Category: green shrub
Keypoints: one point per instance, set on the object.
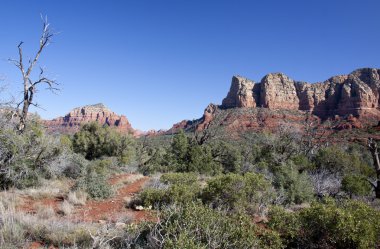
(286, 223)
(95, 185)
(235, 192)
(296, 187)
(351, 224)
(26, 157)
(182, 188)
(193, 225)
(179, 178)
(228, 156)
(94, 141)
(356, 185)
(76, 166)
(336, 160)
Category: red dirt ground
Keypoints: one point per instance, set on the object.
(111, 210)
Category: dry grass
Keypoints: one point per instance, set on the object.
(48, 189)
(77, 198)
(18, 229)
(45, 212)
(66, 208)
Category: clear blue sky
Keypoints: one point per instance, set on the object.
(159, 62)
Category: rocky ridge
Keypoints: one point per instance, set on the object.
(356, 94)
(72, 121)
(351, 101)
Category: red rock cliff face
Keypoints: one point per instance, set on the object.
(81, 115)
(356, 94)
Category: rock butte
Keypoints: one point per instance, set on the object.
(352, 98)
(72, 121)
(356, 94)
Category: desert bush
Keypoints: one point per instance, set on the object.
(328, 224)
(74, 165)
(94, 141)
(95, 185)
(356, 185)
(182, 188)
(25, 157)
(179, 178)
(250, 192)
(193, 225)
(351, 224)
(12, 233)
(286, 223)
(228, 156)
(294, 186)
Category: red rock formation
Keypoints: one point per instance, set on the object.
(352, 101)
(241, 93)
(81, 115)
(356, 94)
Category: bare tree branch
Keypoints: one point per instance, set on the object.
(29, 85)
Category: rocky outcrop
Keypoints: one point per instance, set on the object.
(278, 91)
(71, 122)
(241, 93)
(355, 94)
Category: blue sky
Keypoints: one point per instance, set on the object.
(159, 62)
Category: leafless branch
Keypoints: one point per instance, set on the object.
(29, 85)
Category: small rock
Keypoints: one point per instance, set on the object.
(102, 222)
(139, 208)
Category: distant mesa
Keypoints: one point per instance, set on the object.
(352, 100)
(72, 121)
(356, 94)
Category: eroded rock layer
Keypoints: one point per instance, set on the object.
(356, 94)
(81, 115)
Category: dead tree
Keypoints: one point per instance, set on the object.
(374, 149)
(30, 86)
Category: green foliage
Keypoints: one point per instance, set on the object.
(295, 186)
(236, 192)
(76, 166)
(179, 147)
(336, 160)
(286, 223)
(228, 156)
(185, 155)
(94, 141)
(182, 188)
(351, 224)
(329, 224)
(199, 159)
(195, 226)
(94, 181)
(179, 178)
(26, 157)
(356, 185)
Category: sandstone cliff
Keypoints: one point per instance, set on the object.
(71, 122)
(349, 101)
(356, 94)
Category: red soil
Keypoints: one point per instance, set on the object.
(38, 245)
(111, 210)
(29, 205)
